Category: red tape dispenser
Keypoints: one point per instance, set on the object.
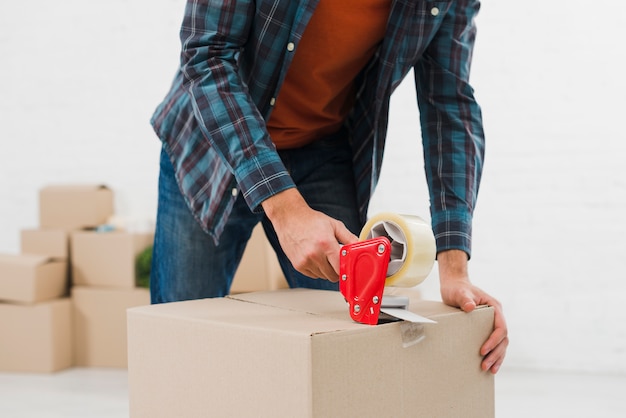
(362, 273)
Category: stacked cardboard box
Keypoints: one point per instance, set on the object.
(35, 311)
(63, 299)
(104, 286)
(65, 296)
(259, 268)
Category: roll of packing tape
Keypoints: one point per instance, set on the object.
(413, 248)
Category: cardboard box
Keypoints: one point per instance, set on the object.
(100, 324)
(259, 268)
(106, 259)
(36, 338)
(53, 243)
(297, 353)
(30, 278)
(74, 206)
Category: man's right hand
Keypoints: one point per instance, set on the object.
(310, 239)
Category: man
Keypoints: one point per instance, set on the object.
(278, 115)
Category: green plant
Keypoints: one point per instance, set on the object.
(143, 263)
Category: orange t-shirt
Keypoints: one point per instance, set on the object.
(318, 91)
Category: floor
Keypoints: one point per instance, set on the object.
(102, 393)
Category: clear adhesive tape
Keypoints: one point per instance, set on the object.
(413, 248)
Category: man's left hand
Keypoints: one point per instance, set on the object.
(457, 290)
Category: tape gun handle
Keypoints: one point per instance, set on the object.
(362, 270)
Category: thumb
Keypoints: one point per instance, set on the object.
(465, 299)
(467, 304)
(343, 234)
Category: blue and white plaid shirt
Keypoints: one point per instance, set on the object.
(235, 54)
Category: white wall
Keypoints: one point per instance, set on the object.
(79, 80)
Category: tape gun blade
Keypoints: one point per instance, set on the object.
(407, 315)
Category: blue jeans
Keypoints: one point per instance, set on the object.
(186, 264)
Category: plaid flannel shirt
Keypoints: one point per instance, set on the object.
(234, 57)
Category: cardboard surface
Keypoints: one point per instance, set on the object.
(259, 268)
(36, 338)
(297, 353)
(106, 259)
(29, 278)
(53, 243)
(100, 324)
(74, 206)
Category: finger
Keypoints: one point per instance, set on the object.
(466, 301)
(495, 339)
(496, 366)
(309, 273)
(468, 305)
(318, 269)
(332, 258)
(343, 234)
(330, 273)
(498, 335)
(494, 360)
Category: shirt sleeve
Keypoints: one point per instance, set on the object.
(212, 36)
(452, 129)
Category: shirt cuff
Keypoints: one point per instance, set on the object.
(453, 231)
(262, 177)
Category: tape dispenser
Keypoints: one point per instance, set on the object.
(393, 250)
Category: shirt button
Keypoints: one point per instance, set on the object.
(234, 191)
(291, 46)
(272, 101)
(434, 11)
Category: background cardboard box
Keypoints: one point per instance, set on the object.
(259, 268)
(29, 278)
(53, 243)
(100, 324)
(297, 353)
(74, 206)
(106, 259)
(36, 338)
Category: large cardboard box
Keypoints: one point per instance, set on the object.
(100, 324)
(297, 353)
(51, 242)
(36, 338)
(74, 206)
(30, 278)
(259, 268)
(106, 259)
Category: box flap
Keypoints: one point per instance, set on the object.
(295, 311)
(327, 302)
(240, 313)
(332, 303)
